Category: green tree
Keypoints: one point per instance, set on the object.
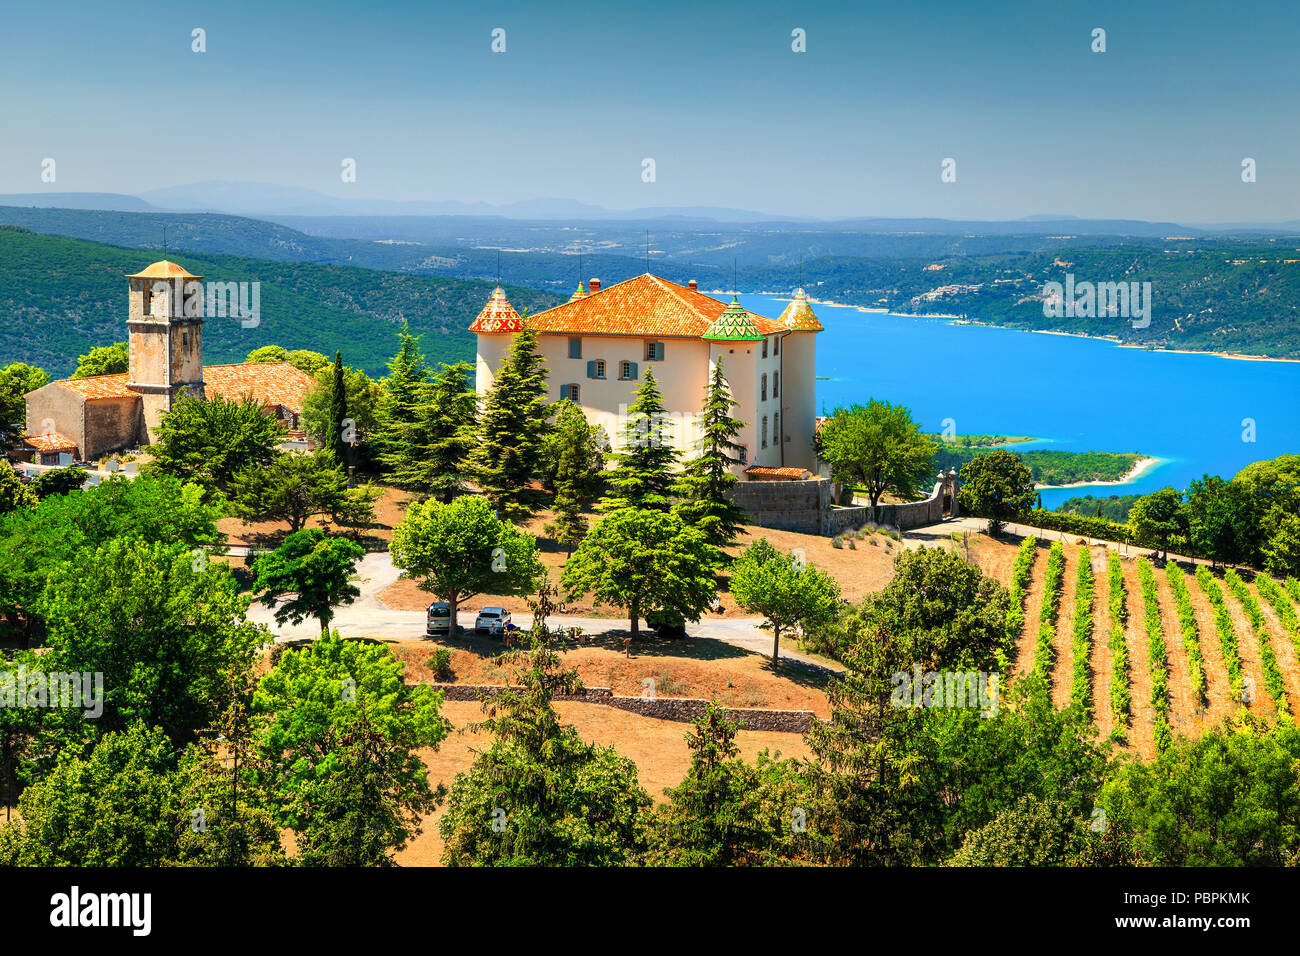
(511, 429)
(878, 447)
(267, 353)
(16, 380)
(317, 570)
(1282, 550)
(361, 395)
(396, 412)
(295, 488)
(442, 435)
(313, 363)
(645, 561)
(59, 481)
(707, 481)
(787, 592)
(209, 442)
(1034, 832)
(14, 495)
(586, 443)
(460, 549)
(341, 735)
(336, 422)
(540, 795)
(1158, 517)
(103, 360)
(1222, 517)
(578, 474)
(996, 486)
(160, 622)
(645, 463)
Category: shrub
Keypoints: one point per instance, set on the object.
(1159, 656)
(1188, 627)
(1119, 689)
(440, 664)
(1081, 685)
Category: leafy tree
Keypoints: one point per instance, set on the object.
(316, 569)
(16, 380)
(117, 806)
(578, 474)
(785, 591)
(295, 488)
(361, 394)
(442, 434)
(878, 447)
(267, 353)
(1222, 517)
(14, 495)
(645, 561)
(996, 486)
(1157, 517)
(511, 428)
(587, 443)
(59, 481)
(103, 360)
(461, 549)
(644, 472)
(1282, 551)
(161, 624)
(341, 737)
(1227, 799)
(707, 480)
(1034, 832)
(396, 412)
(209, 442)
(313, 363)
(540, 795)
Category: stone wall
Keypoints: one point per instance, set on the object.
(679, 709)
(808, 507)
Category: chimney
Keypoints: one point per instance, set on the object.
(691, 285)
(595, 285)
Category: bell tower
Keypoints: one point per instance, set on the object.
(164, 339)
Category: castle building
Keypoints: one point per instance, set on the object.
(91, 417)
(599, 345)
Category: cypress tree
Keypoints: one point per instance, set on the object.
(644, 475)
(335, 441)
(511, 429)
(707, 479)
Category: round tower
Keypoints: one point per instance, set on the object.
(495, 329)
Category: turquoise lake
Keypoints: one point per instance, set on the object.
(1076, 394)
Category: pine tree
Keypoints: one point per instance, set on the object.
(511, 429)
(442, 434)
(578, 474)
(707, 480)
(335, 440)
(396, 411)
(644, 477)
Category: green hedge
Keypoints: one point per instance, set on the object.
(1159, 655)
(1081, 686)
(1045, 650)
(1022, 572)
(1077, 524)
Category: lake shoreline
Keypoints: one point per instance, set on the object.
(964, 319)
(1140, 468)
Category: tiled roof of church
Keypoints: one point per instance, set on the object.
(798, 315)
(163, 269)
(645, 306)
(497, 316)
(271, 383)
(51, 443)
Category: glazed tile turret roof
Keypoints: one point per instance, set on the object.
(646, 306)
(497, 316)
(580, 294)
(733, 324)
(798, 315)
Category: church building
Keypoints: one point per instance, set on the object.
(599, 345)
(91, 417)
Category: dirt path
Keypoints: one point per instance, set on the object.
(1063, 671)
(1185, 712)
(1247, 646)
(1283, 647)
(1141, 723)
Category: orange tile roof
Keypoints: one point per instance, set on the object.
(271, 383)
(53, 442)
(646, 305)
(163, 269)
(759, 472)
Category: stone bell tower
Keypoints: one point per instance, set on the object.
(164, 339)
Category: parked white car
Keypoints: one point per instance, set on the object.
(492, 620)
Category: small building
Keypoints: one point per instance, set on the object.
(91, 417)
(599, 345)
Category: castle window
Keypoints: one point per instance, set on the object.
(596, 368)
(654, 351)
(764, 431)
(762, 392)
(570, 392)
(627, 371)
(742, 452)
(575, 348)
(776, 345)
(765, 347)
(776, 428)
(776, 382)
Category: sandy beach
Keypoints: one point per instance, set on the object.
(1140, 467)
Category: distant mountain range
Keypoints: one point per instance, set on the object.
(268, 200)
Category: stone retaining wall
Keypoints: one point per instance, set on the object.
(808, 507)
(680, 709)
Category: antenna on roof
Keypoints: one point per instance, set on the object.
(801, 270)
(580, 268)
(498, 267)
(647, 251)
(164, 242)
(735, 284)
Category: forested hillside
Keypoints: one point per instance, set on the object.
(61, 297)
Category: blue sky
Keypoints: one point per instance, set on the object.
(1154, 128)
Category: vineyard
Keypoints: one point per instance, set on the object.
(1152, 653)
